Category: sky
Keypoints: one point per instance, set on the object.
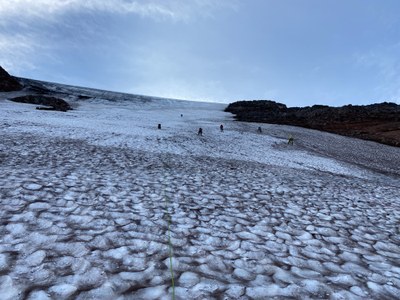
(297, 52)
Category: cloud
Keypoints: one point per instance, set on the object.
(15, 49)
(30, 30)
(178, 10)
(384, 63)
(46, 9)
(183, 88)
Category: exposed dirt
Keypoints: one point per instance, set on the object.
(382, 132)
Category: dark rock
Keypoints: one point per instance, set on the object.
(8, 83)
(377, 122)
(39, 89)
(51, 102)
(84, 97)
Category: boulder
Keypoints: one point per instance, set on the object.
(51, 103)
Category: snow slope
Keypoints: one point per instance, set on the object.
(85, 198)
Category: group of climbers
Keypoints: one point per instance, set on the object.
(221, 128)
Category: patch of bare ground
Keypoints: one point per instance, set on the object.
(382, 132)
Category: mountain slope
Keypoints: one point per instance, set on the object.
(90, 196)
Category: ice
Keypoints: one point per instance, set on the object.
(188, 279)
(305, 273)
(135, 263)
(344, 279)
(284, 276)
(387, 246)
(316, 266)
(39, 239)
(80, 265)
(348, 256)
(118, 253)
(39, 295)
(315, 287)
(283, 235)
(358, 291)
(74, 249)
(180, 293)
(103, 292)
(247, 235)
(16, 229)
(235, 291)
(8, 290)
(32, 186)
(63, 291)
(243, 274)
(41, 277)
(150, 293)
(248, 217)
(263, 292)
(36, 258)
(38, 206)
(78, 219)
(206, 286)
(132, 276)
(90, 279)
(343, 295)
(275, 247)
(355, 269)
(4, 262)
(394, 292)
(44, 224)
(305, 236)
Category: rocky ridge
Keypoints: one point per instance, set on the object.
(377, 122)
(8, 83)
(30, 93)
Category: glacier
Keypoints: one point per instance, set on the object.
(89, 197)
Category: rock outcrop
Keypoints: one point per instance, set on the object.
(49, 103)
(8, 83)
(377, 122)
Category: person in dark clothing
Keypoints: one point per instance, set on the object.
(221, 127)
(259, 130)
(290, 140)
(200, 132)
(159, 126)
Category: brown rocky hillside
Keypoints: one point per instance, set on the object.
(377, 122)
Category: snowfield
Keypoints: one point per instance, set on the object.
(86, 197)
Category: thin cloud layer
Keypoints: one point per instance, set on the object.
(158, 9)
(297, 52)
(15, 51)
(28, 26)
(384, 62)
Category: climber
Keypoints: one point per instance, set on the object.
(290, 140)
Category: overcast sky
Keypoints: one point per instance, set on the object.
(299, 52)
